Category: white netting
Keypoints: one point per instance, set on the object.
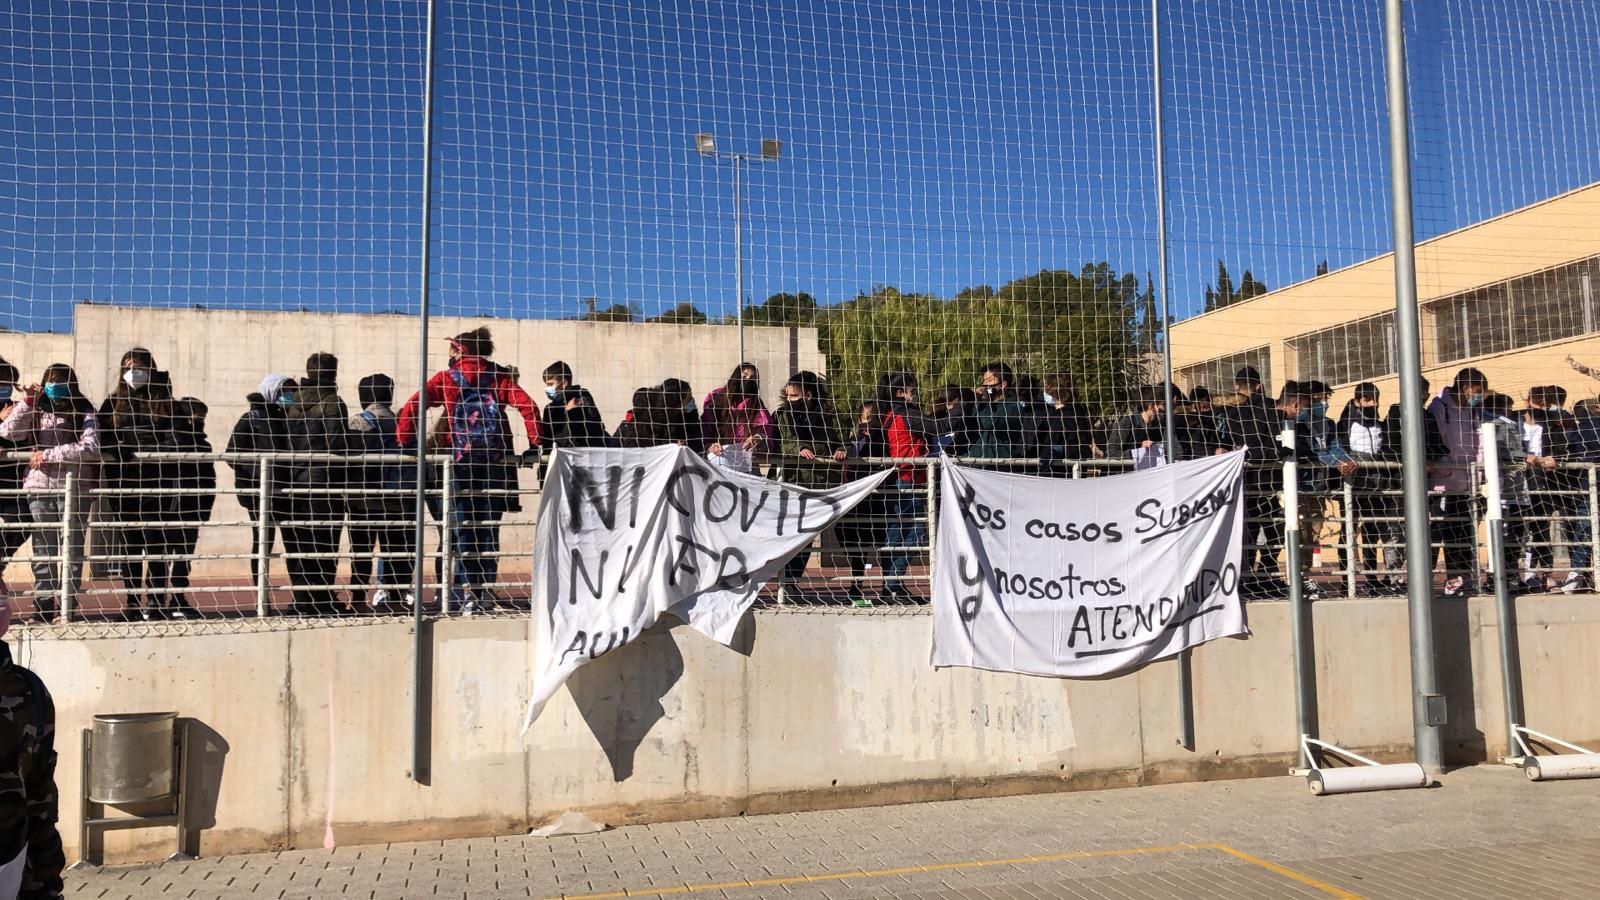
(954, 185)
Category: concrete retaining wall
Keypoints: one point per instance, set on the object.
(304, 733)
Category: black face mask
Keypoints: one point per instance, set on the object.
(1367, 414)
(748, 387)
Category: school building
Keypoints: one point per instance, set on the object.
(1514, 296)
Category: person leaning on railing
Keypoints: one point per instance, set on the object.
(1252, 422)
(811, 445)
(1458, 412)
(57, 423)
(909, 434)
(13, 504)
(262, 429)
(136, 420)
(383, 502)
(1567, 503)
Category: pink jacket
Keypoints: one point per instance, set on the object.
(65, 449)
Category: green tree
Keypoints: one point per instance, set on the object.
(616, 312)
(684, 313)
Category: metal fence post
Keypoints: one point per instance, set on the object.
(1476, 519)
(1594, 528)
(1505, 610)
(264, 538)
(1352, 552)
(447, 569)
(1305, 684)
(69, 507)
(932, 519)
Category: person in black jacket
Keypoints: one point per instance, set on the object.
(15, 521)
(681, 416)
(30, 805)
(382, 504)
(949, 416)
(318, 423)
(580, 424)
(196, 480)
(136, 419)
(1066, 433)
(1199, 429)
(1253, 424)
(264, 428)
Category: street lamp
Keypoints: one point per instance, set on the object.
(771, 149)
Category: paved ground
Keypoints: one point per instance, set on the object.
(1487, 832)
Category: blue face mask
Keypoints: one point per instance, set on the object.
(5, 393)
(1049, 400)
(1475, 400)
(56, 391)
(1319, 410)
(285, 400)
(688, 407)
(551, 392)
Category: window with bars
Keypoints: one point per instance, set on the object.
(1218, 374)
(1356, 351)
(1544, 306)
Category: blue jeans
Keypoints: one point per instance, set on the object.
(905, 506)
(475, 539)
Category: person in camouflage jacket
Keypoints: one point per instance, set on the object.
(29, 804)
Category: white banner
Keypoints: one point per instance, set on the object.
(1086, 578)
(626, 535)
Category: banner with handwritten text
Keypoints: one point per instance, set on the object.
(1086, 578)
(627, 535)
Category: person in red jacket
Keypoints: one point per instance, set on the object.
(475, 394)
(909, 434)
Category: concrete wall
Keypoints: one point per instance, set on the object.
(306, 731)
(221, 356)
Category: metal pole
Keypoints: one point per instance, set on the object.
(1594, 532)
(419, 689)
(263, 537)
(1427, 705)
(69, 509)
(1170, 442)
(738, 248)
(447, 553)
(1305, 672)
(1352, 554)
(1505, 610)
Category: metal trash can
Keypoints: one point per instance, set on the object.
(132, 758)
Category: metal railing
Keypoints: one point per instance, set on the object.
(146, 560)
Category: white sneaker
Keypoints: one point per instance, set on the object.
(379, 601)
(1576, 583)
(470, 604)
(410, 600)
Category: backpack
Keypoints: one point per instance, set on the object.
(390, 475)
(478, 427)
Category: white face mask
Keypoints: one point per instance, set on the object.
(1049, 400)
(136, 378)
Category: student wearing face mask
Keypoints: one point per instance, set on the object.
(135, 420)
(264, 428)
(557, 378)
(57, 423)
(681, 417)
(811, 446)
(14, 519)
(733, 417)
(1064, 432)
(999, 418)
(1362, 429)
(1458, 413)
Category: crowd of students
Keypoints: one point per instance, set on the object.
(143, 455)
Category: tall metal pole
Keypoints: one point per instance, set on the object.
(1170, 445)
(420, 693)
(738, 247)
(1427, 705)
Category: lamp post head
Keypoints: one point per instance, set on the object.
(705, 144)
(771, 149)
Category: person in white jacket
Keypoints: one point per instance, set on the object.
(56, 422)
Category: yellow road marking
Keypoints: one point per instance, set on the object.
(958, 866)
(1287, 872)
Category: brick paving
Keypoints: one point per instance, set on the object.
(1487, 832)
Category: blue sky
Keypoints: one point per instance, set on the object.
(246, 156)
